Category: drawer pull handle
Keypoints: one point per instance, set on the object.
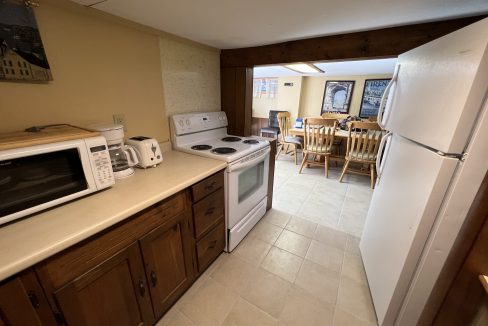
(211, 185)
(209, 211)
(154, 279)
(212, 244)
(33, 299)
(142, 288)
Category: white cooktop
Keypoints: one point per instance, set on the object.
(242, 149)
(209, 128)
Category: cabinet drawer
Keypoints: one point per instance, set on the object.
(207, 186)
(210, 246)
(208, 211)
(82, 257)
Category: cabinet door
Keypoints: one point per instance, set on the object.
(22, 302)
(168, 264)
(113, 293)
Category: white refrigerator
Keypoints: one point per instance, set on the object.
(433, 162)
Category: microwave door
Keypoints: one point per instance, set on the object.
(42, 179)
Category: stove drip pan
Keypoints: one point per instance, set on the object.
(223, 150)
(201, 147)
(231, 139)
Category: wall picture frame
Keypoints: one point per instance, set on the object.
(337, 96)
(372, 93)
(22, 55)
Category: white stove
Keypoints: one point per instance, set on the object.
(246, 177)
(205, 134)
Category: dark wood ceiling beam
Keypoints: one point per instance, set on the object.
(379, 43)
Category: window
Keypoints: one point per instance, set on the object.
(265, 87)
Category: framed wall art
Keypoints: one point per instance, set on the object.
(337, 96)
(372, 93)
(22, 56)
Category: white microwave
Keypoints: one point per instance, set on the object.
(38, 177)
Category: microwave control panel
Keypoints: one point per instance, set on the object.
(101, 164)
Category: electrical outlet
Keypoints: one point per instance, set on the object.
(119, 119)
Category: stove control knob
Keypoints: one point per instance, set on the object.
(180, 122)
(187, 122)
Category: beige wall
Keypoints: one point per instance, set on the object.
(313, 93)
(287, 99)
(289, 96)
(191, 77)
(262, 106)
(103, 65)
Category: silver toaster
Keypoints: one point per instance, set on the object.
(147, 150)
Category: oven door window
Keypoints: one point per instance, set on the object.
(250, 181)
(30, 181)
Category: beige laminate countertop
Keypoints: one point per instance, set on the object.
(27, 242)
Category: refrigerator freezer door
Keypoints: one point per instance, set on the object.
(405, 202)
(440, 88)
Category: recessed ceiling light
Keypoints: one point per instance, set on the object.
(304, 68)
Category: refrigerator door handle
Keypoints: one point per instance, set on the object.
(379, 158)
(385, 96)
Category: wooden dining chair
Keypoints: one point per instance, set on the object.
(339, 116)
(286, 139)
(363, 142)
(319, 138)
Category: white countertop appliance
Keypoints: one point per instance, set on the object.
(246, 177)
(123, 157)
(433, 163)
(37, 177)
(147, 150)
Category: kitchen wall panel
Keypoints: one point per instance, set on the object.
(191, 77)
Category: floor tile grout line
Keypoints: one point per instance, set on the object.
(342, 207)
(275, 318)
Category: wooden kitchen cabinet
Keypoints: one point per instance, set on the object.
(22, 302)
(167, 259)
(128, 274)
(114, 293)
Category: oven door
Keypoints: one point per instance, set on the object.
(247, 185)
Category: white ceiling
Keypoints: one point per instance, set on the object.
(345, 68)
(239, 23)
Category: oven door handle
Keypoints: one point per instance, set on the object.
(241, 166)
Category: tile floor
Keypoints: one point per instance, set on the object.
(299, 266)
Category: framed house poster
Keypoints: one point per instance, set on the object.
(337, 96)
(372, 93)
(22, 56)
